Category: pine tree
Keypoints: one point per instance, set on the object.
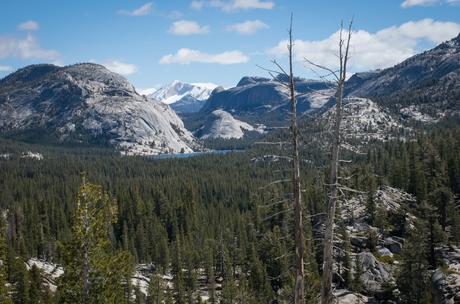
(93, 271)
(19, 278)
(4, 290)
(370, 203)
(414, 278)
(177, 272)
(209, 270)
(258, 279)
(357, 284)
(229, 292)
(36, 286)
(346, 264)
(441, 198)
(156, 289)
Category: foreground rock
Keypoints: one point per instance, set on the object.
(375, 274)
(343, 296)
(446, 279)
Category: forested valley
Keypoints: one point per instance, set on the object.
(217, 224)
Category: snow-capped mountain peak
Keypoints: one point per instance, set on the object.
(184, 97)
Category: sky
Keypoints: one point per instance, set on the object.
(155, 42)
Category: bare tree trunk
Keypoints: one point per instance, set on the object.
(326, 287)
(297, 198)
(299, 241)
(328, 259)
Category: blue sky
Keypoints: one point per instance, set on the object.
(155, 42)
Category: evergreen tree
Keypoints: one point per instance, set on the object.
(370, 203)
(441, 198)
(36, 285)
(19, 278)
(357, 284)
(177, 272)
(93, 271)
(229, 291)
(209, 270)
(414, 278)
(156, 289)
(345, 259)
(4, 290)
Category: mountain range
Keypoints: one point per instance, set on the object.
(86, 103)
(425, 87)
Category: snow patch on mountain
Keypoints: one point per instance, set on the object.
(222, 124)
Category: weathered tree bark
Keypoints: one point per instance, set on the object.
(326, 283)
(328, 259)
(299, 241)
(297, 198)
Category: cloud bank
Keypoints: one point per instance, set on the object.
(187, 56)
(121, 68)
(232, 5)
(247, 27)
(187, 27)
(381, 49)
(25, 48)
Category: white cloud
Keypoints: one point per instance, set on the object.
(232, 5)
(122, 68)
(30, 25)
(411, 3)
(247, 27)
(140, 11)
(187, 27)
(4, 68)
(25, 48)
(382, 49)
(187, 56)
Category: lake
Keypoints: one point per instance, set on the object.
(193, 154)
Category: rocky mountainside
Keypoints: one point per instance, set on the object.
(425, 87)
(221, 124)
(255, 96)
(261, 101)
(184, 97)
(365, 120)
(87, 103)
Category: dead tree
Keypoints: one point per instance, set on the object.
(328, 242)
(297, 198)
(299, 240)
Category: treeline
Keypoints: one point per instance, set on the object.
(218, 214)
